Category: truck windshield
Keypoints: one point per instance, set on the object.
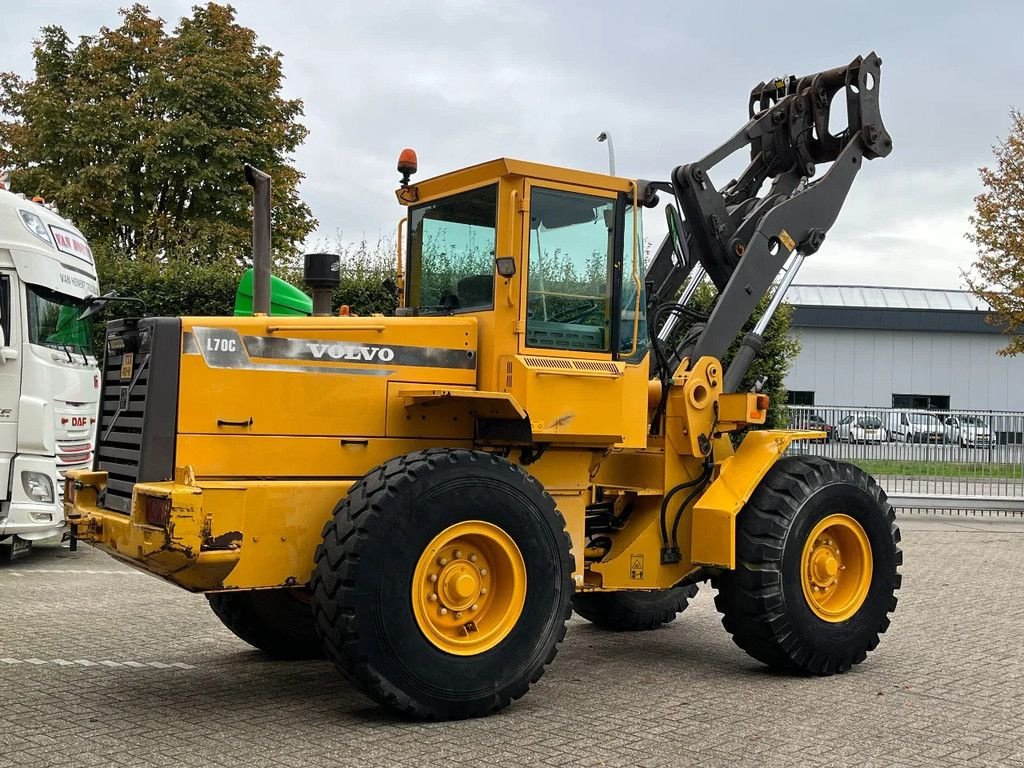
(53, 321)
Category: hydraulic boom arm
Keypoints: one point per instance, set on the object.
(741, 238)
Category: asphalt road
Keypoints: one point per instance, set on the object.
(101, 666)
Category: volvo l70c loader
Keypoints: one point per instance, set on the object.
(545, 424)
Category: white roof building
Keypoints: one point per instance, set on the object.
(899, 347)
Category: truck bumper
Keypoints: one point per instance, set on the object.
(27, 517)
(33, 522)
(208, 536)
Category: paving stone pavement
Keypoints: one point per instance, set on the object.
(169, 686)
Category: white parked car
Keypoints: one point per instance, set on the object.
(860, 428)
(918, 427)
(969, 431)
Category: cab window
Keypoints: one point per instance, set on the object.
(628, 289)
(451, 252)
(569, 285)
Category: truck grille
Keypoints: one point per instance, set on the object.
(138, 415)
(71, 454)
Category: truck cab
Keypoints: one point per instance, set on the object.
(49, 381)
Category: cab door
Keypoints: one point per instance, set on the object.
(568, 375)
(10, 374)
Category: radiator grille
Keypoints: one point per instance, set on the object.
(138, 407)
(120, 433)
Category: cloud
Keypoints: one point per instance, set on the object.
(464, 81)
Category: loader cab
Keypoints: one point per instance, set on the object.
(550, 261)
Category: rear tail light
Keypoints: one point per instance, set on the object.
(157, 510)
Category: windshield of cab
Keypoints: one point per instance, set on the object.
(53, 321)
(451, 252)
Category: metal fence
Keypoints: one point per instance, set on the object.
(933, 461)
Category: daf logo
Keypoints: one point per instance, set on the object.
(349, 352)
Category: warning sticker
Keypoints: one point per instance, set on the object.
(636, 567)
(787, 240)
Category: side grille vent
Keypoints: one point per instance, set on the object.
(561, 364)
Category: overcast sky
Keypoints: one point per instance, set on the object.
(464, 81)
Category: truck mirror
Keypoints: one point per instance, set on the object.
(675, 231)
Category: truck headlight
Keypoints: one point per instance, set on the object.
(38, 486)
(35, 225)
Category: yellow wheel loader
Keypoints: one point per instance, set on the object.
(545, 422)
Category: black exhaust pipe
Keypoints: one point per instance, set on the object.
(260, 183)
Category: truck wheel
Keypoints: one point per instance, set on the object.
(634, 610)
(817, 561)
(277, 621)
(443, 583)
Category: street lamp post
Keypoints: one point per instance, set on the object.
(606, 136)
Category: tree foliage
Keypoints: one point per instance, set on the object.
(998, 233)
(140, 135)
(777, 352)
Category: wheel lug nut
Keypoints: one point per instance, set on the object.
(458, 614)
(483, 590)
(474, 607)
(432, 578)
(443, 611)
(442, 561)
(457, 554)
(483, 571)
(432, 598)
(472, 558)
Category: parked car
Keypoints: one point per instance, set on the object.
(919, 427)
(860, 428)
(968, 431)
(805, 420)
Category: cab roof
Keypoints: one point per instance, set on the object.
(492, 170)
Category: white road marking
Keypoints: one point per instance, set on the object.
(105, 663)
(22, 574)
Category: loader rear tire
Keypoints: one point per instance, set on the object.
(633, 611)
(278, 622)
(817, 559)
(443, 583)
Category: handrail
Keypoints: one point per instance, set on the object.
(401, 264)
(328, 328)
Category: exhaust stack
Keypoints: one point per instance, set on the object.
(260, 183)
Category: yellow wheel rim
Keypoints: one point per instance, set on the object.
(835, 569)
(469, 588)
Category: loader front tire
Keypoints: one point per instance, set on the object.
(443, 583)
(817, 559)
(278, 622)
(633, 611)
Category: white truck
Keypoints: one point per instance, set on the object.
(49, 381)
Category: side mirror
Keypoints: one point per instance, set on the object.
(93, 304)
(675, 232)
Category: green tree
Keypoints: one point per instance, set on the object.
(998, 233)
(776, 356)
(140, 135)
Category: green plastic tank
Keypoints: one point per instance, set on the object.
(285, 298)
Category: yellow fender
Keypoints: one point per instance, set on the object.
(713, 542)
